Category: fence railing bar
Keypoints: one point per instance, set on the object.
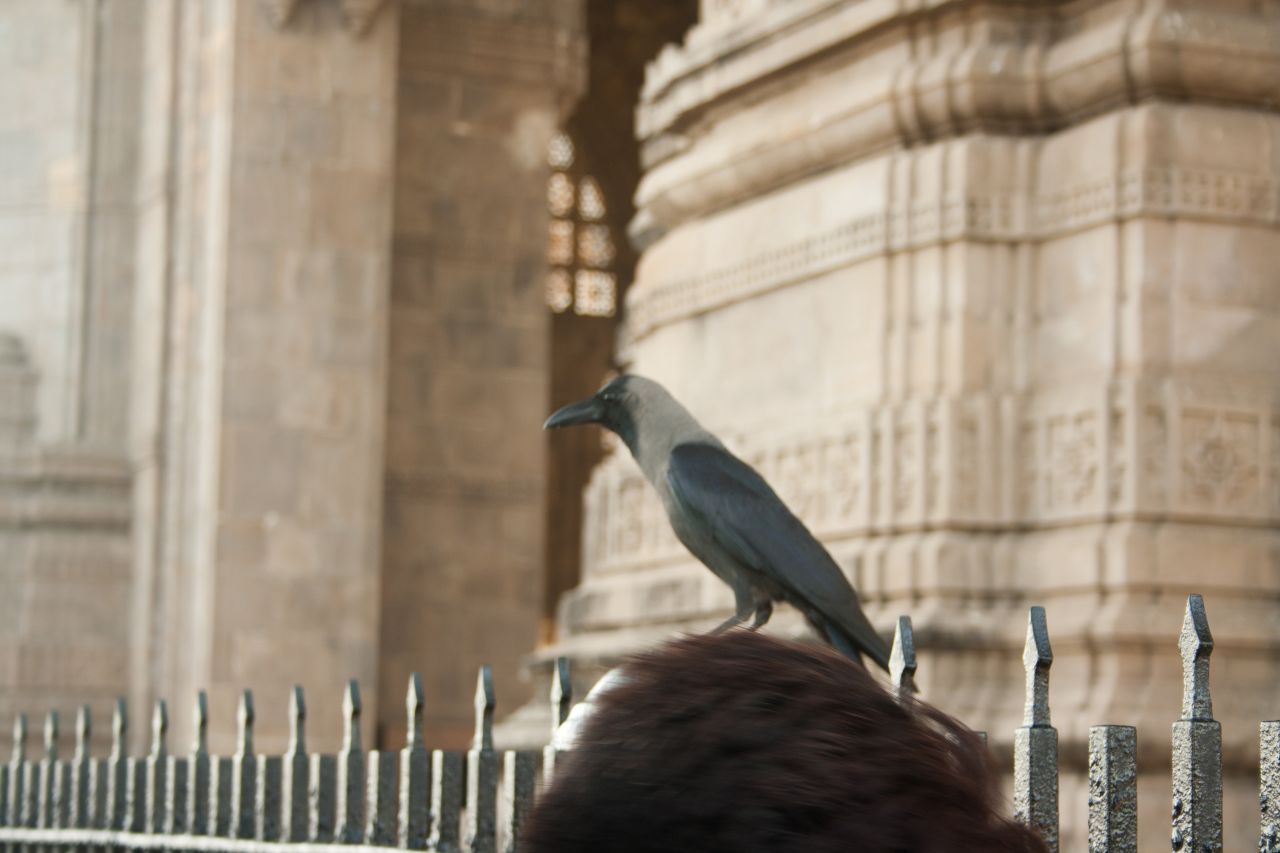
(200, 790)
(158, 769)
(322, 797)
(519, 782)
(1035, 743)
(381, 818)
(1197, 743)
(447, 772)
(295, 773)
(1269, 786)
(1113, 789)
(267, 800)
(244, 772)
(414, 821)
(118, 770)
(46, 795)
(78, 781)
(561, 703)
(351, 770)
(482, 772)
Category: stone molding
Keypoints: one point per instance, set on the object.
(1130, 453)
(357, 15)
(978, 71)
(1132, 193)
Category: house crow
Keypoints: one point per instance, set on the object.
(728, 516)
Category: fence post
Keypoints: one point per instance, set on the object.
(902, 660)
(482, 772)
(415, 773)
(561, 701)
(294, 772)
(1197, 743)
(1269, 786)
(78, 795)
(157, 769)
(1035, 743)
(1113, 789)
(322, 795)
(267, 805)
(351, 791)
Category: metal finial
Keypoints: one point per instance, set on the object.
(84, 727)
(297, 721)
(1037, 657)
(119, 727)
(561, 693)
(902, 658)
(200, 716)
(351, 717)
(160, 729)
(51, 735)
(244, 724)
(484, 709)
(19, 737)
(1196, 645)
(413, 702)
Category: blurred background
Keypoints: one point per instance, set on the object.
(990, 291)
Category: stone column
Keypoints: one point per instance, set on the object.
(481, 89)
(989, 294)
(270, 129)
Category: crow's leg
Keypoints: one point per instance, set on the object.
(744, 606)
(763, 611)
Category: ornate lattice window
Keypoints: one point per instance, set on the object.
(580, 247)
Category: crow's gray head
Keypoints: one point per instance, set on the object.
(639, 410)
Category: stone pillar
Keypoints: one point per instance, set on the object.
(989, 294)
(481, 89)
(267, 251)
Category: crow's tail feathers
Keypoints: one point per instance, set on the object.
(853, 645)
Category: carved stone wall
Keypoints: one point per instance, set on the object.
(989, 294)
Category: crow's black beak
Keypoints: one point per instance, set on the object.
(588, 411)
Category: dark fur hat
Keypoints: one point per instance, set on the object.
(741, 742)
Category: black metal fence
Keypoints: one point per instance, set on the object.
(476, 800)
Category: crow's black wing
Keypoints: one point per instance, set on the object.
(752, 523)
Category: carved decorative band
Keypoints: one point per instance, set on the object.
(1134, 193)
(980, 463)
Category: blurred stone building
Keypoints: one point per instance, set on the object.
(989, 290)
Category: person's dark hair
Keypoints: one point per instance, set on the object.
(742, 742)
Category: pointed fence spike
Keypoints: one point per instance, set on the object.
(295, 777)
(51, 735)
(482, 773)
(484, 709)
(1196, 645)
(1037, 658)
(84, 728)
(351, 771)
(1035, 743)
(351, 716)
(297, 721)
(119, 728)
(244, 724)
(902, 659)
(200, 718)
(160, 728)
(19, 753)
(561, 693)
(1197, 743)
(413, 703)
